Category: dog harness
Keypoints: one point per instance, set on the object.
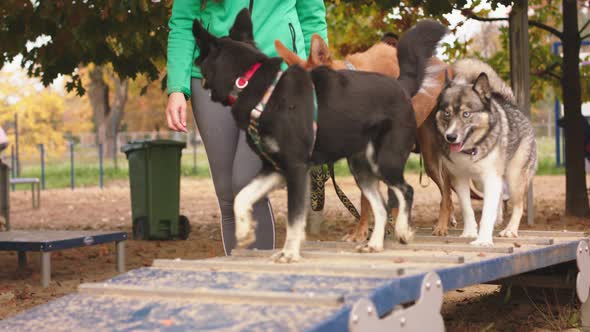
(256, 112)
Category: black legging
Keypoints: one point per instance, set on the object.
(232, 164)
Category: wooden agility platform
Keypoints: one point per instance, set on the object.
(45, 242)
(332, 289)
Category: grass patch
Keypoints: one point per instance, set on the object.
(86, 172)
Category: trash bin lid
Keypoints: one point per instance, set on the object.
(149, 143)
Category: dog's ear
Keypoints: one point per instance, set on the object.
(242, 28)
(390, 39)
(288, 56)
(319, 53)
(203, 38)
(482, 86)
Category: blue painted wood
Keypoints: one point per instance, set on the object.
(55, 240)
(81, 312)
(103, 313)
(352, 288)
(406, 289)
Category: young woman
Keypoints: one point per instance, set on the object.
(231, 161)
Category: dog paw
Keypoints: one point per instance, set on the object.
(453, 222)
(472, 234)
(508, 233)
(368, 248)
(440, 230)
(356, 236)
(403, 234)
(482, 243)
(285, 257)
(245, 235)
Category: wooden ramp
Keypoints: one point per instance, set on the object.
(332, 289)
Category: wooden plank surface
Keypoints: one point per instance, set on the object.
(271, 267)
(443, 247)
(521, 233)
(385, 257)
(208, 295)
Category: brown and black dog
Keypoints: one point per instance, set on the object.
(383, 58)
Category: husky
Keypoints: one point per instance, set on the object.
(296, 119)
(486, 139)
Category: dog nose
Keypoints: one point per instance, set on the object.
(451, 137)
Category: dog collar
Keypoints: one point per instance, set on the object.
(349, 65)
(242, 82)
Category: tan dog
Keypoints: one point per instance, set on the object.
(382, 58)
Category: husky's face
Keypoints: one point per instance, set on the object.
(464, 113)
(223, 60)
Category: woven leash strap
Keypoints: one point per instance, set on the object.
(318, 178)
(345, 201)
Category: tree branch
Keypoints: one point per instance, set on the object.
(585, 36)
(548, 71)
(469, 14)
(540, 25)
(584, 26)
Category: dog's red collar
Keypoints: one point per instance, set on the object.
(242, 82)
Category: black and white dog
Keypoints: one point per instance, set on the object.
(364, 117)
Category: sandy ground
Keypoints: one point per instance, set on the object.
(480, 307)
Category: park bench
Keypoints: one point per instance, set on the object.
(35, 189)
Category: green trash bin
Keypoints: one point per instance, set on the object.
(154, 178)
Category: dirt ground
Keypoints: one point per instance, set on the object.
(477, 308)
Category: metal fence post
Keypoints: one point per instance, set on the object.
(42, 152)
(12, 163)
(195, 158)
(72, 165)
(16, 144)
(115, 151)
(100, 165)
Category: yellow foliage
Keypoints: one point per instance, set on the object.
(40, 121)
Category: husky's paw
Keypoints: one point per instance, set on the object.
(440, 230)
(482, 243)
(508, 233)
(368, 248)
(286, 256)
(469, 233)
(453, 222)
(356, 235)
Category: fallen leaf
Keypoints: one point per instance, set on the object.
(481, 254)
(167, 322)
(517, 245)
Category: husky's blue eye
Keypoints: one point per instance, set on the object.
(466, 114)
(446, 114)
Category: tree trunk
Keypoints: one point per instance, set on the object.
(107, 116)
(576, 197)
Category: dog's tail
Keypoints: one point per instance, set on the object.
(414, 50)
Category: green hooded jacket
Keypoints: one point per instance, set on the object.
(291, 21)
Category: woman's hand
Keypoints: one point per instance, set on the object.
(176, 112)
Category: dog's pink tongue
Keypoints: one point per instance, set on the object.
(456, 147)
